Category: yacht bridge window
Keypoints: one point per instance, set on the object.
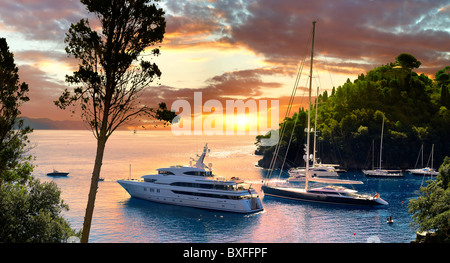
(212, 195)
(199, 173)
(149, 180)
(205, 186)
(227, 187)
(165, 172)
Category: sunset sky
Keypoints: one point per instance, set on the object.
(236, 49)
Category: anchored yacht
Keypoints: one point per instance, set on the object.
(328, 194)
(424, 171)
(319, 170)
(427, 170)
(382, 172)
(195, 186)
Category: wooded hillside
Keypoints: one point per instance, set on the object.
(416, 110)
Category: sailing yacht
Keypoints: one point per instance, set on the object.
(427, 170)
(328, 194)
(318, 169)
(195, 186)
(382, 172)
(424, 171)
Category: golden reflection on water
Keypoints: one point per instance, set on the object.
(119, 218)
(145, 151)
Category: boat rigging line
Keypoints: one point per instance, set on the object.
(288, 112)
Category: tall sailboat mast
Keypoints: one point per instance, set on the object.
(381, 142)
(328, 194)
(307, 175)
(315, 127)
(432, 155)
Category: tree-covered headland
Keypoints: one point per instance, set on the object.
(416, 109)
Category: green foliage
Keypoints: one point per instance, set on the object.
(13, 135)
(431, 210)
(29, 211)
(408, 61)
(351, 117)
(296, 148)
(162, 113)
(443, 80)
(112, 73)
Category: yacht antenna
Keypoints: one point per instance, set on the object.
(199, 164)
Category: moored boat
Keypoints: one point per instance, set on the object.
(424, 171)
(382, 173)
(329, 194)
(57, 173)
(427, 170)
(318, 170)
(195, 186)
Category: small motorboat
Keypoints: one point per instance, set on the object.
(389, 220)
(57, 173)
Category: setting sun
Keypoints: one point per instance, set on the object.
(242, 123)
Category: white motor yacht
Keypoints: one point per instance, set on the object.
(424, 171)
(195, 186)
(319, 170)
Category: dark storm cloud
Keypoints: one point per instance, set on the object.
(352, 37)
(40, 20)
(371, 32)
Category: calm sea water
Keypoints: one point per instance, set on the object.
(120, 218)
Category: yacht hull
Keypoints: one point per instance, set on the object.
(57, 174)
(212, 200)
(302, 195)
(382, 174)
(422, 172)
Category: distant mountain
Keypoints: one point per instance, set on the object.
(48, 124)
